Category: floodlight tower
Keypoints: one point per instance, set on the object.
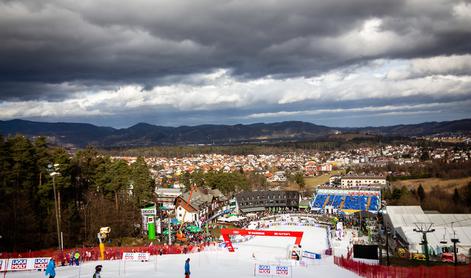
(53, 172)
(424, 228)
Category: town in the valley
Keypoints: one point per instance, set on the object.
(393, 205)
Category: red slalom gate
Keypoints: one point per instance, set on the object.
(382, 271)
(226, 233)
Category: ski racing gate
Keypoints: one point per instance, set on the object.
(226, 233)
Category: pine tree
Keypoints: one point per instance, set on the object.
(468, 194)
(456, 197)
(421, 193)
(299, 179)
(142, 182)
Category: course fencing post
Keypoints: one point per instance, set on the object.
(155, 263)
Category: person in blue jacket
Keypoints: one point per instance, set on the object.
(187, 268)
(51, 269)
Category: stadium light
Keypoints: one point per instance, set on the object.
(53, 172)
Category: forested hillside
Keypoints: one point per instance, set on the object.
(92, 191)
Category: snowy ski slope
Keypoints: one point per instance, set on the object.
(216, 263)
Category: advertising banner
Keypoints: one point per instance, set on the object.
(282, 270)
(149, 211)
(309, 255)
(3, 264)
(272, 270)
(263, 270)
(136, 256)
(24, 264)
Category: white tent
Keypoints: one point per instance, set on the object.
(404, 219)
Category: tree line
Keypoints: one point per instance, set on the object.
(436, 199)
(341, 142)
(92, 191)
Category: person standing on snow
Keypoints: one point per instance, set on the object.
(51, 269)
(187, 268)
(77, 257)
(97, 271)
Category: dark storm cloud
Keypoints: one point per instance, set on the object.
(95, 44)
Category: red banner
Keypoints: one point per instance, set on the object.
(226, 233)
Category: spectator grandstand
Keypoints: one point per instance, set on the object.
(346, 200)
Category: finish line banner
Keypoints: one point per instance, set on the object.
(272, 270)
(24, 264)
(136, 256)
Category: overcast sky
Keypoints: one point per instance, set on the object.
(337, 63)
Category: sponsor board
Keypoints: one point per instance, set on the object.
(136, 256)
(263, 269)
(272, 270)
(311, 255)
(40, 263)
(149, 211)
(282, 270)
(24, 264)
(18, 264)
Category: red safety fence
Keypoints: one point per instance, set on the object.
(111, 253)
(381, 271)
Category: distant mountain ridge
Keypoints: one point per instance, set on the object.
(143, 134)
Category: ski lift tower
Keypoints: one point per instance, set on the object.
(424, 228)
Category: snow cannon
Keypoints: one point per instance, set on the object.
(102, 236)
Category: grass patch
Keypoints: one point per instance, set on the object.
(313, 182)
(447, 185)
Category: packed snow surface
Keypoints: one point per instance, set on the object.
(218, 262)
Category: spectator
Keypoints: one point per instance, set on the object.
(51, 269)
(77, 257)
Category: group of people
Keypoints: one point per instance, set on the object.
(72, 258)
(51, 269)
